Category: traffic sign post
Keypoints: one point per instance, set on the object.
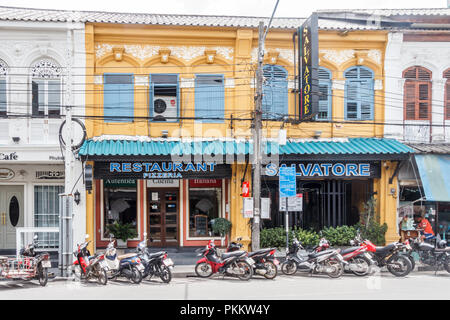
(287, 188)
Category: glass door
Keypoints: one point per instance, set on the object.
(163, 217)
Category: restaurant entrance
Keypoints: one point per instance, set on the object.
(163, 217)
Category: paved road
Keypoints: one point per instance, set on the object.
(300, 286)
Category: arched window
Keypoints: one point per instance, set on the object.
(325, 97)
(275, 92)
(3, 93)
(46, 88)
(417, 93)
(359, 93)
(447, 94)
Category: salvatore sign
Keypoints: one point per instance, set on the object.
(160, 170)
(329, 169)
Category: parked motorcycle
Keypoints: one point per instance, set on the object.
(127, 265)
(234, 263)
(359, 260)
(87, 266)
(390, 256)
(37, 267)
(327, 261)
(155, 264)
(437, 256)
(265, 262)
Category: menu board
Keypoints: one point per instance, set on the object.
(201, 225)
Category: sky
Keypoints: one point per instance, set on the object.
(286, 8)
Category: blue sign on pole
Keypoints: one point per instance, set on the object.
(288, 182)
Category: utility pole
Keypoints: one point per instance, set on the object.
(257, 124)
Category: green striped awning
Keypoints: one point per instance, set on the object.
(352, 146)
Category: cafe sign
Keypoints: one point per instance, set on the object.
(6, 174)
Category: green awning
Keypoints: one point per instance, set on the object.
(352, 146)
(434, 173)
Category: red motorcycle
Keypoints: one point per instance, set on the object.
(234, 263)
(359, 260)
(87, 266)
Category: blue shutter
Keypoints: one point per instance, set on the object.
(209, 98)
(118, 98)
(325, 98)
(359, 94)
(275, 92)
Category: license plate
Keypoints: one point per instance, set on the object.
(276, 262)
(168, 262)
(46, 264)
(140, 267)
(250, 261)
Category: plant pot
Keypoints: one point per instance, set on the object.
(121, 244)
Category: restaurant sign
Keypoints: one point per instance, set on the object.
(329, 169)
(160, 170)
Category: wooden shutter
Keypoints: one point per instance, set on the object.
(352, 100)
(367, 99)
(447, 94)
(417, 93)
(210, 97)
(3, 97)
(324, 95)
(359, 94)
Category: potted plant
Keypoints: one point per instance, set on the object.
(122, 232)
(221, 226)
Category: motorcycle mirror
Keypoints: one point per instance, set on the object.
(35, 237)
(86, 236)
(145, 234)
(151, 239)
(239, 239)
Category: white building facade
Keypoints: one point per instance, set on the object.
(42, 70)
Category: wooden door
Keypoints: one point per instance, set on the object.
(163, 208)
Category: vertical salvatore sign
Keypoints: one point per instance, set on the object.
(308, 38)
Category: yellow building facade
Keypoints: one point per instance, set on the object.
(231, 52)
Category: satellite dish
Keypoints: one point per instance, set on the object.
(78, 133)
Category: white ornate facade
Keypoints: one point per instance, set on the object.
(30, 154)
(400, 55)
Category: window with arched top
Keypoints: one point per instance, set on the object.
(46, 88)
(325, 97)
(359, 93)
(275, 92)
(446, 75)
(3, 92)
(417, 93)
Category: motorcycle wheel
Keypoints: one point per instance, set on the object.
(203, 270)
(271, 269)
(248, 270)
(399, 265)
(337, 266)
(101, 276)
(42, 276)
(165, 274)
(364, 261)
(447, 264)
(289, 267)
(411, 259)
(76, 272)
(136, 276)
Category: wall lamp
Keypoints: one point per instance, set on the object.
(76, 197)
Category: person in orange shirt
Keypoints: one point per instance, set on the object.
(424, 225)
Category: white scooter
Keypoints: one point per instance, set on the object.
(128, 265)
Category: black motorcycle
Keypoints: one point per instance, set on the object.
(265, 262)
(155, 264)
(391, 257)
(329, 261)
(437, 255)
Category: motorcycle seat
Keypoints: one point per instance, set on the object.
(442, 250)
(126, 256)
(258, 252)
(156, 254)
(226, 255)
(384, 249)
(348, 250)
(318, 254)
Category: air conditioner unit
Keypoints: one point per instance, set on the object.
(165, 107)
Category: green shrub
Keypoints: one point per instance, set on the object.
(276, 237)
(123, 231)
(339, 236)
(374, 232)
(221, 226)
(308, 238)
